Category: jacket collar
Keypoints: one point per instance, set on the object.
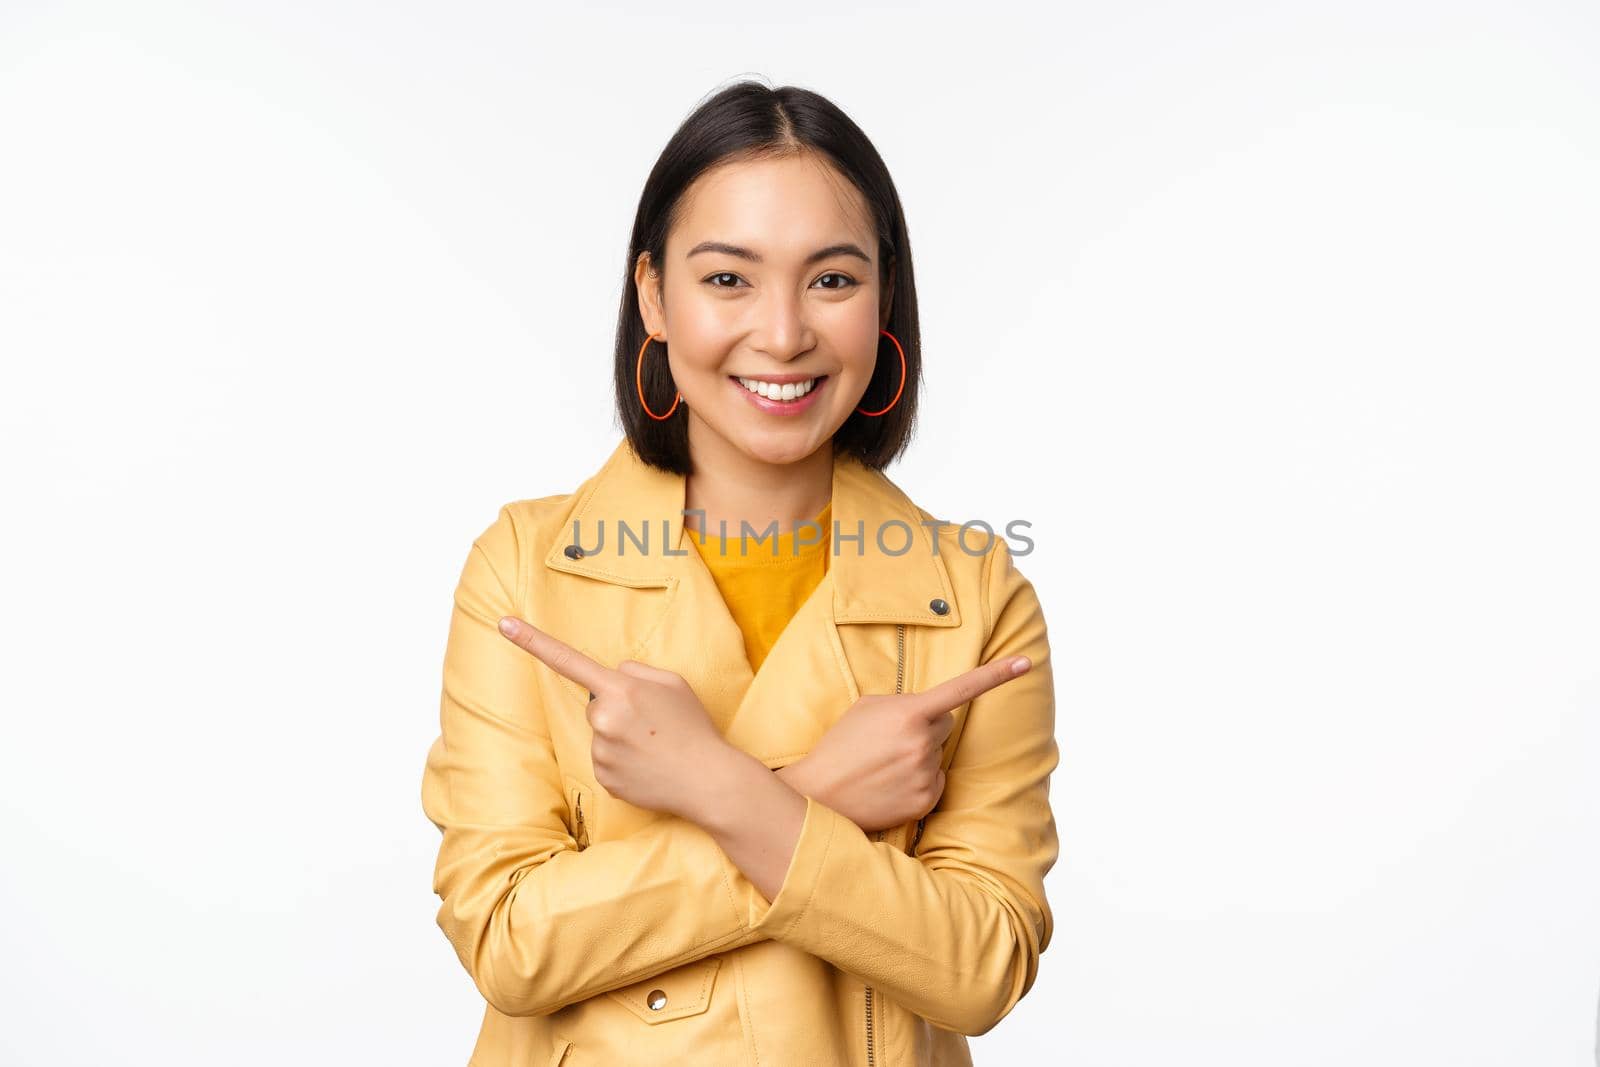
(871, 584)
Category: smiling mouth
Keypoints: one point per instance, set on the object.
(789, 392)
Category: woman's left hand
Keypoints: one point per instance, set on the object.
(653, 740)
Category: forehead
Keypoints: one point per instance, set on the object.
(784, 207)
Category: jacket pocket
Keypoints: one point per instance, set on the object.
(580, 810)
(559, 1056)
(674, 994)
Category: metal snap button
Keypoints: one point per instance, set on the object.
(657, 999)
(574, 552)
(939, 606)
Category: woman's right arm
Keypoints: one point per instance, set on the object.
(536, 922)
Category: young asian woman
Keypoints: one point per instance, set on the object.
(782, 808)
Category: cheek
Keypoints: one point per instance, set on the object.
(853, 331)
(700, 318)
(700, 337)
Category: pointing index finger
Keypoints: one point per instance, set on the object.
(954, 692)
(556, 654)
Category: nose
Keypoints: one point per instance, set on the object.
(782, 331)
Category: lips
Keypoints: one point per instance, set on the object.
(780, 406)
(782, 392)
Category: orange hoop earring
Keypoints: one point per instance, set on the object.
(902, 388)
(638, 381)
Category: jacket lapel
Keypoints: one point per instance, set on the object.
(664, 607)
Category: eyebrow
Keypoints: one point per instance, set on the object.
(845, 249)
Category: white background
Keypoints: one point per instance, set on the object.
(1277, 320)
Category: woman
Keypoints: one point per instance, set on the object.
(716, 799)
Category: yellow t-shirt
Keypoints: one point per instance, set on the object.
(763, 590)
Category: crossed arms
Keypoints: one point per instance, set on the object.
(953, 933)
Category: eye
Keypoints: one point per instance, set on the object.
(846, 282)
(711, 281)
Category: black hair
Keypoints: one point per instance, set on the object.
(749, 120)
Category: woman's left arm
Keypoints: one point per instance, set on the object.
(955, 932)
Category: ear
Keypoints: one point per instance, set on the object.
(648, 281)
(886, 305)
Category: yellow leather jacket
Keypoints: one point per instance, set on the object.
(602, 933)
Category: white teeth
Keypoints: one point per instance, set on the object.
(788, 391)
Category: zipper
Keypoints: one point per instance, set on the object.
(899, 687)
(900, 657)
(583, 832)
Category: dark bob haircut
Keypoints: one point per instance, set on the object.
(749, 121)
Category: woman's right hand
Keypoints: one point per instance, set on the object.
(880, 764)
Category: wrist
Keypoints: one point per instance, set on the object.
(722, 781)
(799, 777)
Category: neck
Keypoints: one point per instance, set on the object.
(731, 486)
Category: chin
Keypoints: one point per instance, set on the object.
(777, 451)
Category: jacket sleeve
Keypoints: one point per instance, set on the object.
(953, 933)
(536, 922)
